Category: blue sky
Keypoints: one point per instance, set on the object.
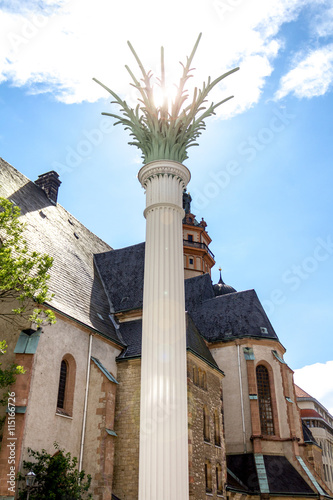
(262, 174)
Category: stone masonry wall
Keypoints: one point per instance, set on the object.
(99, 445)
(200, 450)
(127, 422)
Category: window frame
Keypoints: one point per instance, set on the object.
(266, 409)
(217, 429)
(206, 424)
(208, 476)
(67, 387)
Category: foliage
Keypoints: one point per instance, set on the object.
(161, 134)
(57, 477)
(8, 376)
(23, 274)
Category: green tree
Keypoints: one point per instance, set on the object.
(7, 378)
(23, 281)
(57, 477)
(23, 273)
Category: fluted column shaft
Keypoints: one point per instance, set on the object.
(163, 464)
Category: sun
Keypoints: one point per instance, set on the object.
(166, 95)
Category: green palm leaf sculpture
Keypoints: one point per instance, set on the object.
(164, 133)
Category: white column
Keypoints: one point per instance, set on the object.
(163, 464)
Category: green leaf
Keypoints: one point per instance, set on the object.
(156, 131)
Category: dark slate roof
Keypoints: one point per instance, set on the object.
(122, 274)
(131, 333)
(196, 343)
(233, 483)
(244, 468)
(197, 290)
(51, 229)
(282, 477)
(240, 313)
(231, 316)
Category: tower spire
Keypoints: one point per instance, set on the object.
(220, 282)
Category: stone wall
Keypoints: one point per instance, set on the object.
(37, 390)
(99, 444)
(205, 391)
(127, 419)
(127, 422)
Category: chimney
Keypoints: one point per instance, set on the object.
(50, 183)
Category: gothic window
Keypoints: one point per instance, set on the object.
(217, 429)
(62, 384)
(66, 385)
(208, 476)
(265, 401)
(219, 487)
(206, 424)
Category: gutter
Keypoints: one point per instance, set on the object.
(84, 420)
(188, 349)
(241, 398)
(91, 329)
(205, 360)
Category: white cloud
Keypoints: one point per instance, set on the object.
(312, 76)
(317, 380)
(60, 47)
(322, 24)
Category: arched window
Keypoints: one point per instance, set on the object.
(219, 487)
(206, 424)
(66, 385)
(62, 384)
(208, 476)
(217, 429)
(265, 401)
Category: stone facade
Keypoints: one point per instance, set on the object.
(206, 452)
(127, 426)
(110, 451)
(320, 422)
(206, 391)
(99, 444)
(42, 424)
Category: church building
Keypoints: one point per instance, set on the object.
(81, 386)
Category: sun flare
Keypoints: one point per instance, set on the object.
(164, 96)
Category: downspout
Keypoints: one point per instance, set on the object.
(241, 398)
(83, 433)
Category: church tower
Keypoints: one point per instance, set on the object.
(198, 258)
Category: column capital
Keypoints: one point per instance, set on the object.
(164, 167)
